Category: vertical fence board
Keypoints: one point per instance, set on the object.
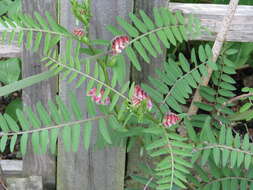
(34, 164)
(92, 169)
(133, 157)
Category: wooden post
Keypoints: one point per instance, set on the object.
(133, 157)
(34, 164)
(92, 169)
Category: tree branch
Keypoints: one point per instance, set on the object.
(238, 98)
(216, 51)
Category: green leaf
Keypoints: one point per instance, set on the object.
(23, 143)
(147, 20)
(29, 40)
(216, 156)
(173, 104)
(177, 33)
(9, 70)
(3, 142)
(35, 141)
(180, 17)
(245, 144)
(66, 137)
(228, 79)
(128, 27)
(138, 46)
(138, 23)
(132, 56)
(104, 131)
(47, 43)
(12, 107)
(204, 106)
(114, 30)
(41, 20)
(245, 107)
(202, 54)
(87, 134)
(184, 63)
(157, 17)
(163, 37)
(11, 123)
(231, 51)
(44, 136)
(170, 36)
(145, 42)
(154, 41)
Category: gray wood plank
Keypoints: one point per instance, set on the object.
(92, 169)
(15, 166)
(34, 164)
(211, 15)
(134, 158)
(22, 183)
(9, 51)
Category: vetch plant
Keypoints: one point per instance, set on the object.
(152, 112)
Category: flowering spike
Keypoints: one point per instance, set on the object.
(98, 98)
(79, 32)
(170, 119)
(139, 96)
(119, 43)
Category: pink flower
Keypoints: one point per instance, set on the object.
(119, 43)
(139, 96)
(78, 32)
(170, 119)
(98, 98)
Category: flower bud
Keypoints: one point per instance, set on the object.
(97, 98)
(170, 119)
(139, 96)
(119, 43)
(79, 32)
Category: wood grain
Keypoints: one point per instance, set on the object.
(92, 169)
(211, 16)
(11, 50)
(241, 29)
(35, 164)
(134, 158)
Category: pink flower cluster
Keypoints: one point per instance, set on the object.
(119, 43)
(98, 98)
(79, 32)
(139, 96)
(170, 119)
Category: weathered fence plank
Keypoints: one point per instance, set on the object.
(35, 164)
(92, 169)
(9, 51)
(21, 183)
(134, 157)
(211, 15)
(12, 166)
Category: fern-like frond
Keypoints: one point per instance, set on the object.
(72, 69)
(213, 177)
(24, 28)
(45, 127)
(226, 150)
(148, 34)
(177, 79)
(173, 168)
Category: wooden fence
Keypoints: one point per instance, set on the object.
(103, 169)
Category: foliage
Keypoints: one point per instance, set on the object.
(123, 111)
(9, 7)
(9, 70)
